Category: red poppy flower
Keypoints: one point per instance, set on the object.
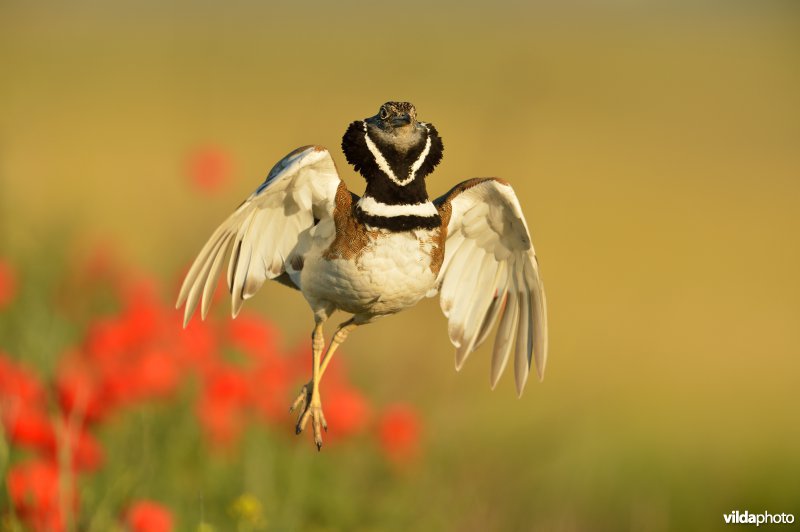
(271, 385)
(221, 406)
(254, 336)
(148, 516)
(33, 488)
(27, 426)
(197, 345)
(106, 340)
(222, 422)
(227, 385)
(78, 389)
(155, 374)
(346, 410)
(117, 389)
(87, 455)
(142, 317)
(399, 432)
(208, 168)
(18, 384)
(8, 284)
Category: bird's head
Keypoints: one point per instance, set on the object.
(396, 117)
(393, 146)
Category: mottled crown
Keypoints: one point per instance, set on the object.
(390, 109)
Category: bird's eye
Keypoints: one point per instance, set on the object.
(384, 113)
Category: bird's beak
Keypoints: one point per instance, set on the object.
(401, 120)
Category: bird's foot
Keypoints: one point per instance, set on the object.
(310, 407)
(303, 398)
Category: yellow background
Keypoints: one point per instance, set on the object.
(655, 148)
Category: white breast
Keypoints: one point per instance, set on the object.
(391, 273)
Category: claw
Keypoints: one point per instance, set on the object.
(317, 432)
(301, 423)
(302, 400)
(310, 408)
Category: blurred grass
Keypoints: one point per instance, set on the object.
(654, 149)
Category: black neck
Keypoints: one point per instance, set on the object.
(380, 190)
(397, 223)
(379, 185)
(384, 190)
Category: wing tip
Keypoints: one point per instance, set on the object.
(521, 387)
(462, 354)
(183, 294)
(540, 373)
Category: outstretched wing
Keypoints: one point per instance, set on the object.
(264, 229)
(490, 274)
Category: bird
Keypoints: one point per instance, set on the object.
(381, 253)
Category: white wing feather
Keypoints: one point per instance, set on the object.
(264, 230)
(490, 273)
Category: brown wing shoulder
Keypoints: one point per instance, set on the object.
(351, 236)
(443, 203)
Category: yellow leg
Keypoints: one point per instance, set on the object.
(338, 339)
(308, 401)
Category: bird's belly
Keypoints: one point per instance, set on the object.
(391, 273)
